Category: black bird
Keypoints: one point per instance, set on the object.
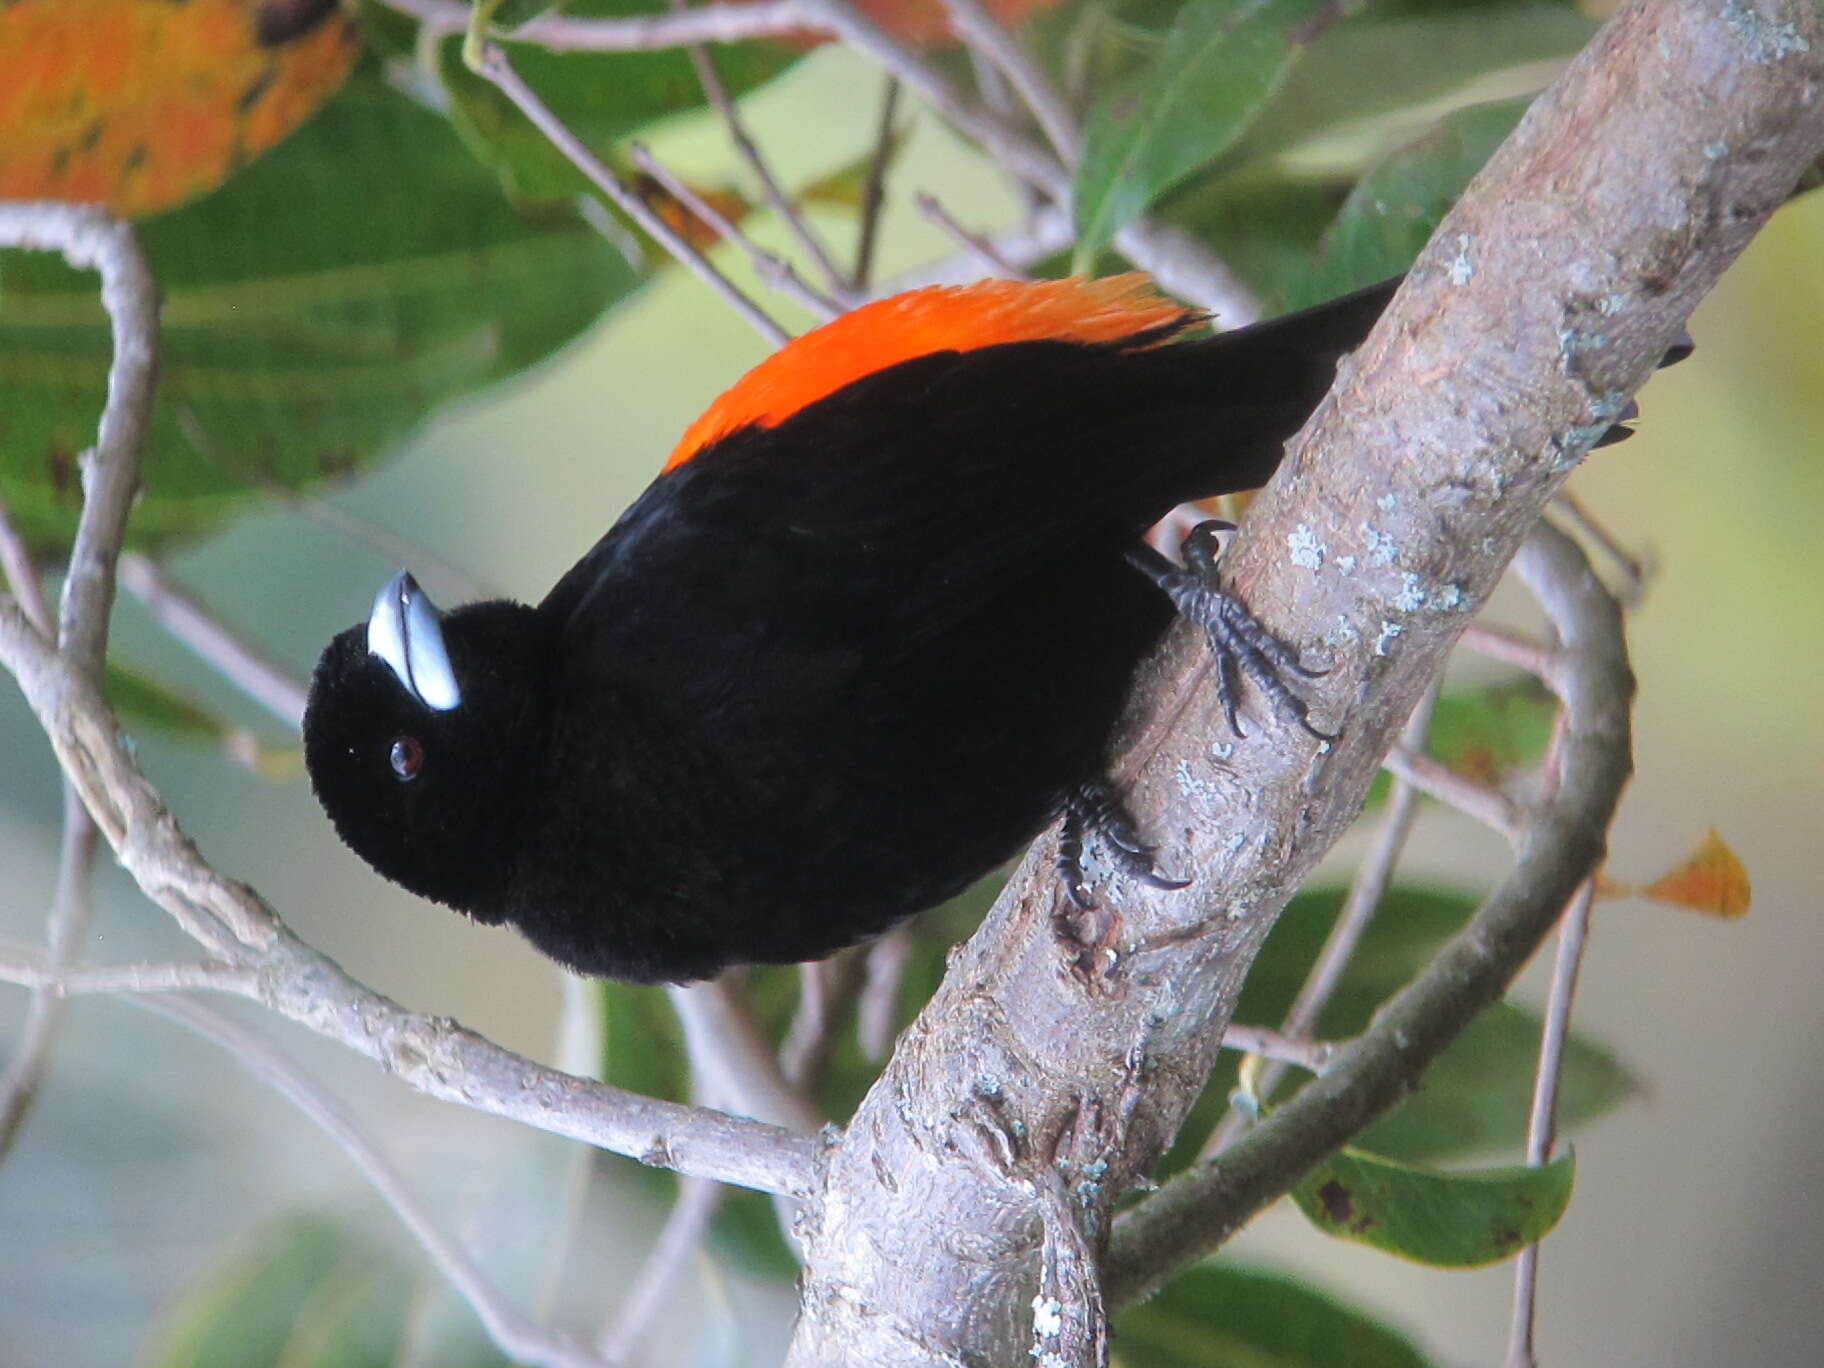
(867, 634)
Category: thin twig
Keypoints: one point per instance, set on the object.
(1536, 658)
(1047, 232)
(1008, 55)
(733, 1065)
(877, 1009)
(974, 244)
(836, 286)
(495, 68)
(712, 23)
(514, 1334)
(66, 927)
(827, 989)
(731, 1057)
(1541, 1130)
(1437, 780)
(1634, 570)
(685, 1225)
(89, 239)
(189, 620)
(31, 967)
(1310, 1055)
(20, 572)
(1180, 262)
(874, 188)
(772, 268)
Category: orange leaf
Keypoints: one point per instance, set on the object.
(681, 219)
(924, 23)
(1711, 880)
(140, 105)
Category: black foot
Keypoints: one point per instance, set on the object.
(1095, 808)
(1240, 644)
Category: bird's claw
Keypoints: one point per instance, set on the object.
(1239, 642)
(1095, 808)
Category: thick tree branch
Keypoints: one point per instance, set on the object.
(1560, 849)
(1543, 302)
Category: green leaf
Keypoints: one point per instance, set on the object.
(1395, 58)
(1221, 65)
(317, 308)
(1447, 1220)
(602, 97)
(148, 704)
(143, 701)
(642, 1043)
(1263, 224)
(1394, 210)
(1474, 1099)
(304, 1293)
(1217, 1315)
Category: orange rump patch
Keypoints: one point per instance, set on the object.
(922, 323)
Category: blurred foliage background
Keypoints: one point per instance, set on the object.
(160, 1198)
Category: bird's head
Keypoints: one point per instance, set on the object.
(420, 737)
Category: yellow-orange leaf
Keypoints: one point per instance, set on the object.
(683, 220)
(1711, 880)
(140, 105)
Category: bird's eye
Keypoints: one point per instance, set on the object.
(407, 757)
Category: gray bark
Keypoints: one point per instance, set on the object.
(979, 1174)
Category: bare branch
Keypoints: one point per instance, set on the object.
(973, 244)
(732, 1059)
(712, 23)
(809, 243)
(22, 577)
(1634, 569)
(877, 1009)
(239, 662)
(1008, 55)
(66, 927)
(1536, 658)
(496, 68)
(827, 989)
(1573, 933)
(1435, 779)
(679, 1238)
(514, 1334)
(32, 968)
(1311, 1055)
(1560, 848)
(772, 268)
(1047, 232)
(874, 190)
(91, 240)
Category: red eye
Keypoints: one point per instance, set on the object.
(407, 757)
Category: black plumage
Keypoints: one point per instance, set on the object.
(825, 673)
